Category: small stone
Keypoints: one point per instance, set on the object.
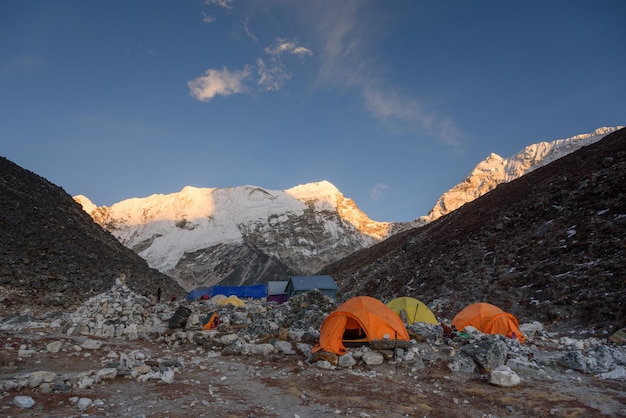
(24, 402)
(619, 337)
(91, 345)
(503, 376)
(54, 347)
(84, 403)
(372, 358)
(168, 376)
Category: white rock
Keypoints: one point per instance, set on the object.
(46, 376)
(284, 347)
(24, 401)
(346, 361)
(84, 403)
(530, 330)
(54, 347)
(142, 369)
(323, 364)
(91, 344)
(26, 353)
(619, 373)
(168, 376)
(229, 339)
(109, 373)
(372, 358)
(87, 382)
(503, 376)
(262, 349)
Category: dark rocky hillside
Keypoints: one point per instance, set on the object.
(51, 251)
(549, 246)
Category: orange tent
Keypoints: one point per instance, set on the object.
(362, 318)
(489, 319)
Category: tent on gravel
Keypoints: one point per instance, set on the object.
(488, 319)
(258, 291)
(362, 320)
(412, 310)
(298, 285)
(277, 291)
(232, 300)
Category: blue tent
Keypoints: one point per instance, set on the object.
(258, 291)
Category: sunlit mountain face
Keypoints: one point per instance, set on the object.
(248, 234)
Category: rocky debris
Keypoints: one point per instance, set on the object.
(269, 331)
(263, 329)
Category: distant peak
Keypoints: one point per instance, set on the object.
(318, 187)
(88, 205)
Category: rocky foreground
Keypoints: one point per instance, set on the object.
(116, 356)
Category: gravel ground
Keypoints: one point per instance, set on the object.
(288, 386)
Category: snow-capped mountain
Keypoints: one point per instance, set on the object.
(494, 170)
(247, 234)
(240, 235)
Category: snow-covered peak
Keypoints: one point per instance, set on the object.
(84, 201)
(164, 227)
(494, 170)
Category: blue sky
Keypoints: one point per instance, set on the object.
(393, 102)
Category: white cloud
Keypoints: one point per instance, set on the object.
(282, 45)
(251, 35)
(226, 4)
(377, 191)
(271, 78)
(273, 74)
(218, 82)
(207, 19)
(348, 60)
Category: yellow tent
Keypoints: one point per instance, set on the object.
(414, 310)
(233, 300)
(218, 299)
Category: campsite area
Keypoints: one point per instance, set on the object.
(284, 386)
(70, 371)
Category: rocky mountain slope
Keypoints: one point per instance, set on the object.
(51, 251)
(240, 235)
(548, 246)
